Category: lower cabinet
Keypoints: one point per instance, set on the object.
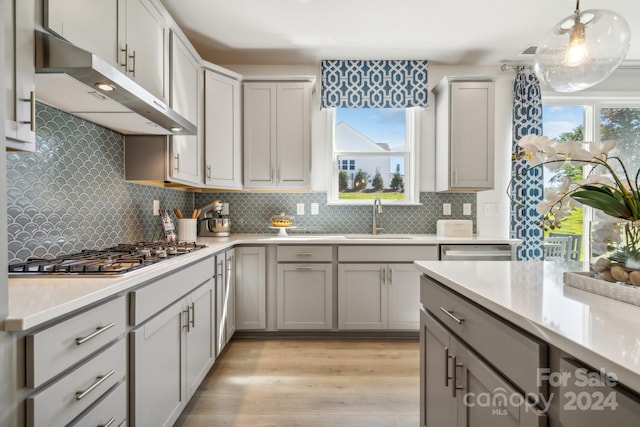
(225, 299)
(251, 308)
(170, 355)
(378, 296)
(459, 389)
(304, 296)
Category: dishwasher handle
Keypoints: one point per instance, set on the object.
(476, 254)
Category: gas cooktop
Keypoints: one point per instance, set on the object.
(116, 260)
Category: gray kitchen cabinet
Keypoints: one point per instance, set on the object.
(459, 389)
(19, 74)
(225, 299)
(74, 363)
(171, 354)
(251, 288)
(304, 296)
(403, 297)
(142, 44)
(277, 135)
(465, 134)
(187, 151)
(222, 129)
(91, 25)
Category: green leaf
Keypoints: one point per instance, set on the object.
(606, 201)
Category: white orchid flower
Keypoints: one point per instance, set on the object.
(537, 149)
(601, 152)
(573, 151)
(596, 178)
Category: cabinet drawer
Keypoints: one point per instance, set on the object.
(54, 349)
(589, 401)
(112, 408)
(152, 298)
(517, 355)
(305, 253)
(387, 253)
(62, 401)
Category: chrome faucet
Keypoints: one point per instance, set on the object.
(377, 202)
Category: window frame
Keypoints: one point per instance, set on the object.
(411, 167)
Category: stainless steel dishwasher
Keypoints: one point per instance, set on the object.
(476, 252)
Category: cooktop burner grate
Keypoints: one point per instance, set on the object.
(118, 259)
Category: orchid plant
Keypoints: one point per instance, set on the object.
(608, 186)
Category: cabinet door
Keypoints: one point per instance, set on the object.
(230, 300)
(259, 135)
(200, 344)
(304, 296)
(186, 155)
(403, 282)
(362, 296)
(251, 288)
(293, 135)
(142, 45)
(223, 155)
(221, 293)
(158, 383)
(89, 24)
(471, 135)
(19, 74)
(437, 405)
(185, 76)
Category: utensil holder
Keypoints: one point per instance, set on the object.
(187, 229)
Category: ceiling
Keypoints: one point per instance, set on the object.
(453, 32)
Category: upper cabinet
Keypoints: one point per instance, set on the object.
(142, 41)
(277, 135)
(186, 99)
(19, 78)
(90, 24)
(223, 116)
(465, 129)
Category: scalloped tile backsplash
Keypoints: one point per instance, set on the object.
(70, 195)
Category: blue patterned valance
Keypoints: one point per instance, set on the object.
(374, 84)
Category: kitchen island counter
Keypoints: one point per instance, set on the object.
(601, 332)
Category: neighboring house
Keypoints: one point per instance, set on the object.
(350, 140)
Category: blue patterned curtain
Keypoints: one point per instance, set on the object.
(528, 188)
(374, 84)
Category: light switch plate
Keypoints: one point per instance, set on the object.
(446, 209)
(156, 207)
(300, 208)
(466, 209)
(314, 209)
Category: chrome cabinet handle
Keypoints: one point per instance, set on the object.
(98, 331)
(133, 60)
(304, 268)
(384, 275)
(219, 269)
(455, 176)
(177, 162)
(304, 254)
(455, 386)
(187, 325)
(446, 366)
(390, 274)
(193, 314)
(111, 421)
(99, 380)
(126, 55)
(278, 175)
(459, 320)
(209, 171)
(32, 103)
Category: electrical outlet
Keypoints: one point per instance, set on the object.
(314, 209)
(300, 208)
(446, 209)
(225, 209)
(491, 209)
(156, 207)
(466, 209)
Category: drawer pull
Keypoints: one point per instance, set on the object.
(447, 356)
(450, 314)
(455, 387)
(304, 268)
(304, 254)
(193, 315)
(98, 331)
(99, 380)
(111, 421)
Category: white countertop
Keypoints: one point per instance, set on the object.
(35, 300)
(602, 332)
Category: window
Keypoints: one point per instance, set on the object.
(374, 155)
(591, 121)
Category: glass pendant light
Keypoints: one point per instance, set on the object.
(582, 50)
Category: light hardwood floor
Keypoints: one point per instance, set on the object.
(310, 383)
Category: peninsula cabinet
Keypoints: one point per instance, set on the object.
(222, 128)
(465, 134)
(251, 308)
(19, 74)
(277, 135)
(304, 287)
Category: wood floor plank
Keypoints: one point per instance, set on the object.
(311, 383)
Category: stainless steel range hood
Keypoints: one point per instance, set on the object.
(68, 78)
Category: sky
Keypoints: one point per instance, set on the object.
(378, 124)
(558, 119)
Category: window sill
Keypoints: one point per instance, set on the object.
(370, 203)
